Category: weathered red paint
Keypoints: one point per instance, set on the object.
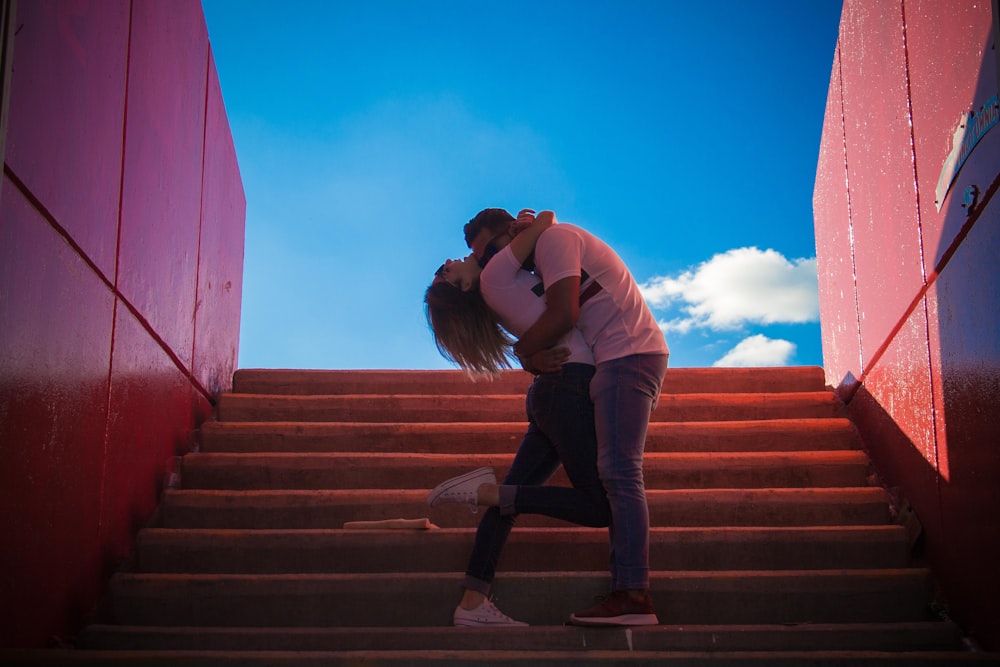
(886, 245)
(154, 409)
(164, 148)
(951, 74)
(966, 367)
(118, 268)
(72, 56)
(55, 348)
(834, 255)
(924, 268)
(901, 383)
(220, 265)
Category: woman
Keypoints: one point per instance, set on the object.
(473, 311)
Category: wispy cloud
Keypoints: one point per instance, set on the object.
(758, 350)
(736, 288)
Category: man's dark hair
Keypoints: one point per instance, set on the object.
(494, 219)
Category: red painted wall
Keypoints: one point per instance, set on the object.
(909, 285)
(121, 261)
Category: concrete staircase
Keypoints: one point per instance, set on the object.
(770, 545)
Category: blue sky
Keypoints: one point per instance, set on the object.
(685, 134)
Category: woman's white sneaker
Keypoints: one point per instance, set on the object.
(462, 489)
(485, 615)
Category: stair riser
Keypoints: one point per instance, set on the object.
(541, 599)
(688, 380)
(709, 471)
(503, 437)
(437, 552)
(444, 409)
(810, 637)
(317, 510)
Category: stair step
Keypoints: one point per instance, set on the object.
(923, 636)
(494, 437)
(678, 380)
(689, 507)
(347, 470)
(443, 408)
(538, 598)
(223, 551)
(500, 658)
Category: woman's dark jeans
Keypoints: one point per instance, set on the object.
(560, 431)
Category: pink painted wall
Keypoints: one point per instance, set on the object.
(121, 262)
(909, 285)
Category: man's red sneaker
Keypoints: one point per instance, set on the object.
(619, 608)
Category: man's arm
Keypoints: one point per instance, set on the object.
(527, 228)
(562, 310)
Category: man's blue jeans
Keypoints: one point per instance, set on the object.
(625, 391)
(560, 430)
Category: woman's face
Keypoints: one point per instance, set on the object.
(462, 273)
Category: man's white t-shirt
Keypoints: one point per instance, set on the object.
(518, 298)
(614, 318)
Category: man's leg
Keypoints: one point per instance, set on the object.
(625, 391)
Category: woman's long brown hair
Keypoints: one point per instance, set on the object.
(466, 331)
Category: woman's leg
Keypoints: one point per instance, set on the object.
(535, 462)
(563, 410)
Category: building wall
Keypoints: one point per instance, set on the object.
(121, 259)
(909, 284)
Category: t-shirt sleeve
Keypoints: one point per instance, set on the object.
(558, 254)
(500, 272)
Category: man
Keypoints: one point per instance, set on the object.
(588, 286)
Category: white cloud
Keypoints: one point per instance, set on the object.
(679, 325)
(738, 287)
(758, 350)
